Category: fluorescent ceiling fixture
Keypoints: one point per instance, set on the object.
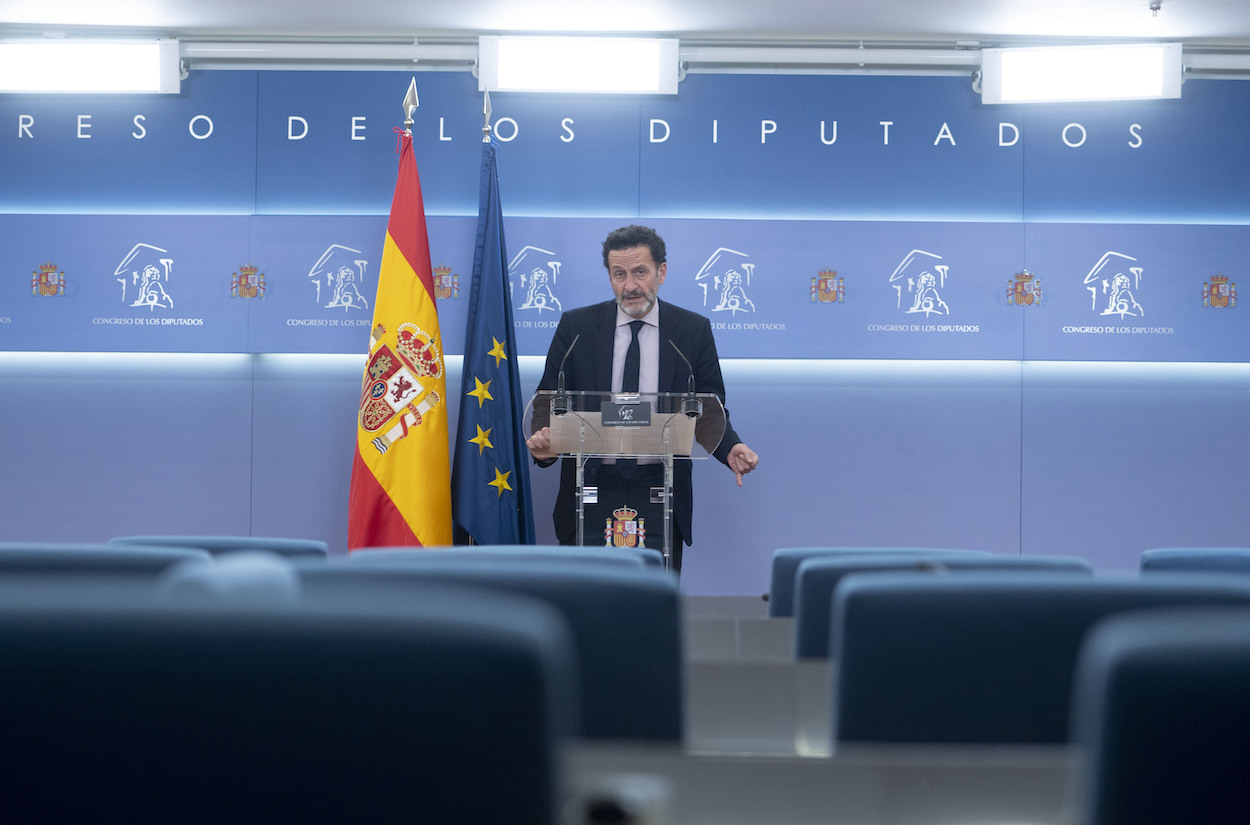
(119, 66)
(622, 65)
(1075, 73)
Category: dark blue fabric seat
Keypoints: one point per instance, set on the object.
(650, 556)
(447, 707)
(291, 547)
(979, 657)
(786, 564)
(61, 559)
(629, 557)
(817, 578)
(1202, 559)
(1162, 716)
(626, 623)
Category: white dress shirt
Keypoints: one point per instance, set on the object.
(648, 350)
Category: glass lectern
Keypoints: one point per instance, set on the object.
(620, 443)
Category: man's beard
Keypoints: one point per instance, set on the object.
(638, 312)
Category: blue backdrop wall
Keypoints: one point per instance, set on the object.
(942, 323)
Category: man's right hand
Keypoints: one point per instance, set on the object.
(539, 444)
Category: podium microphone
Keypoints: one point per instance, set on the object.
(691, 407)
(560, 401)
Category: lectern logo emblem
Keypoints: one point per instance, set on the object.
(625, 529)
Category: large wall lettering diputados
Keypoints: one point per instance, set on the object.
(866, 217)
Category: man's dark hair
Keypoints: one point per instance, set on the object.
(627, 237)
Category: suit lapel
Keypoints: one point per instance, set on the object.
(669, 331)
(604, 338)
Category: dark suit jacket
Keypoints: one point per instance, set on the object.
(589, 369)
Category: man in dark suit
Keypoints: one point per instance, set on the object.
(636, 260)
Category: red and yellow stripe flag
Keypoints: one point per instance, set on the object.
(401, 474)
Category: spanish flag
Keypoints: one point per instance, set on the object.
(401, 474)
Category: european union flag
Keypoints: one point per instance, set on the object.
(491, 499)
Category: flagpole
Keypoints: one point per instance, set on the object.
(486, 130)
(400, 489)
(485, 117)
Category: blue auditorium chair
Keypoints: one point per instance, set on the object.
(628, 556)
(786, 564)
(649, 556)
(447, 706)
(1162, 717)
(245, 577)
(817, 577)
(626, 624)
(291, 547)
(49, 558)
(979, 657)
(1203, 559)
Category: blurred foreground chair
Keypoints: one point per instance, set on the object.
(786, 564)
(818, 576)
(1202, 559)
(446, 707)
(217, 545)
(626, 624)
(232, 580)
(63, 560)
(978, 657)
(1162, 714)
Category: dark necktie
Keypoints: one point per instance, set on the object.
(629, 379)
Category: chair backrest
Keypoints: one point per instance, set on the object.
(448, 709)
(817, 577)
(626, 624)
(217, 545)
(649, 555)
(1162, 714)
(1201, 559)
(247, 577)
(978, 657)
(53, 559)
(786, 564)
(626, 557)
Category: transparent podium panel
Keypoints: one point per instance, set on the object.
(624, 446)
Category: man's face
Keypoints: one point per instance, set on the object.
(635, 279)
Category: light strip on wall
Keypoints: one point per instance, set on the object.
(89, 66)
(1080, 73)
(612, 65)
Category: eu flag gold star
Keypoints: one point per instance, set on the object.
(483, 439)
(498, 351)
(500, 483)
(481, 392)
